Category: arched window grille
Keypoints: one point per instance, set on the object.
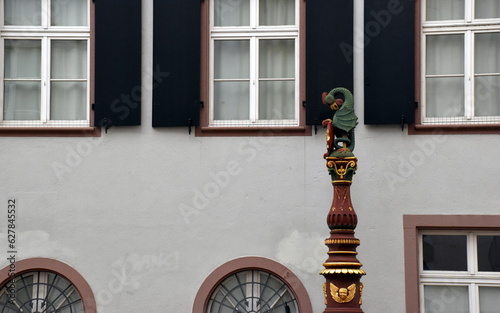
(39, 292)
(252, 291)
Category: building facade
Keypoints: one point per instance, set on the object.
(154, 161)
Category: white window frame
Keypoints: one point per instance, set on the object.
(254, 33)
(46, 34)
(471, 278)
(469, 26)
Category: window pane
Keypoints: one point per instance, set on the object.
(445, 252)
(232, 59)
(445, 54)
(488, 253)
(438, 10)
(446, 299)
(69, 13)
(22, 100)
(69, 59)
(277, 58)
(444, 97)
(67, 101)
(489, 299)
(277, 12)
(487, 53)
(23, 12)
(22, 58)
(487, 96)
(487, 9)
(232, 12)
(231, 100)
(276, 100)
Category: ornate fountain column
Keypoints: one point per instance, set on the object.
(342, 289)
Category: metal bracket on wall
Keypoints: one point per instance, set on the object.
(106, 124)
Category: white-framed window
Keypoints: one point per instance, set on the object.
(45, 53)
(460, 61)
(254, 63)
(459, 271)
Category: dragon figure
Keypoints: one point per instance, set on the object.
(340, 129)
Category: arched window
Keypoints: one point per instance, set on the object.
(252, 284)
(43, 285)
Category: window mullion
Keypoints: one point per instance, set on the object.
(45, 81)
(469, 11)
(254, 46)
(45, 14)
(296, 77)
(211, 76)
(88, 82)
(254, 13)
(472, 253)
(423, 79)
(254, 88)
(2, 74)
(468, 70)
(474, 297)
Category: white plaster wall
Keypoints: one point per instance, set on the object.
(114, 207)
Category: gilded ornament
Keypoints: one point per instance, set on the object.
(325, 293)
(331, 241)
(351, 271)
(341, 168)
(342, 295)
(342, 252)
(342, 264)
(360, 293)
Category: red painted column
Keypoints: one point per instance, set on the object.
(342, 289)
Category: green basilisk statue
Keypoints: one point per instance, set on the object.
(340, 129)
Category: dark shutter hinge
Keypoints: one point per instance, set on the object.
(93, 106)
(202, 104)
(315, 127)
(416, 104)
(190, 123)
(402, 122)
(304, 103)
(106, 123)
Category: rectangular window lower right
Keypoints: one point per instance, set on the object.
(459, 271)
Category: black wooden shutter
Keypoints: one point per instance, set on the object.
(329, 53)
(389, 61)
(117, 63)
(176, 63)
